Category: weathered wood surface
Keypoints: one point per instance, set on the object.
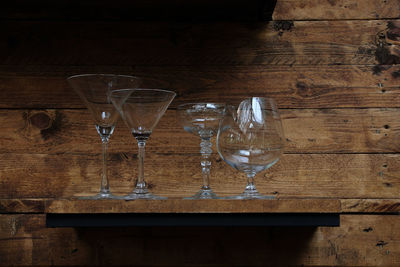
(69, 43)
(336, 9)
(337, 80)
(348, 205)
(306, 130)
(179, 175)
(20, 205)
(370, 205)
(292, 87)
(310, 204)
(194, 206)
(362, 240)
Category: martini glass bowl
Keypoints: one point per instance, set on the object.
(250, 139)
(94, 90)
(202, 120)
(141, 109)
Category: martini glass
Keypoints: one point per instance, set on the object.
(94, 90)
(202, 120)
(250, 139)
(141, 109)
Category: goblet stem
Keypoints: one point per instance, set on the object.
(205, 150)
(205, 191)
(141, 187)
(105, 186)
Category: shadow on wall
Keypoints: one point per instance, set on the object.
(182, 246)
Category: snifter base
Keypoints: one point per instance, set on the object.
(204, 194)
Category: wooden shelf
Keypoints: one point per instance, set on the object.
(193, 206)
(179, 212)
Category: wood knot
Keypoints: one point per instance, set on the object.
(396, 74)
(42, 124)
(388, 44)
(304, 90)
(40, 120)
(381, 244)
(284, 25)
(369, 229)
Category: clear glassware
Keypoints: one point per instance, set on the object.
(141, 109)
(94, 90)
(250, 139)
(202, 119)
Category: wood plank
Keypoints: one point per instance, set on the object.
(60, 43)
(306, 130)
(282, 204)
(361, 240)
(194, 206)
(292, 87)
(176, 176)
(22, 205)
(335, 9)
(371, 205)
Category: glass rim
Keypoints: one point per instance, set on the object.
(269, 100)
(261, 97)
(101, 74)
(114, 93)
(219, 104)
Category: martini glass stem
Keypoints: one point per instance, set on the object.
(205, 150)
(105, 186)
(141, 186)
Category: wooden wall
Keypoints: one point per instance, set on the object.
(332, 66)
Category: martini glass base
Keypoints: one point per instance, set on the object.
(133, 196)
(204, 194)
(101, 196)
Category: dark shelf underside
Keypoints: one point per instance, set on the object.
(191, 219)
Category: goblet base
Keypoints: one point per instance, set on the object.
(204, 194)
(101, 196)
(133, 196)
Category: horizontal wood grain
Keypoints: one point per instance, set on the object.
(292, 87)
(362, 240)
(281, 204)
(370, 205)
(194, 206)
(332, 65)
(35, 205)
(72, 43)
(65, 175)
(306, 131)
(347, 205)
(336, 9)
